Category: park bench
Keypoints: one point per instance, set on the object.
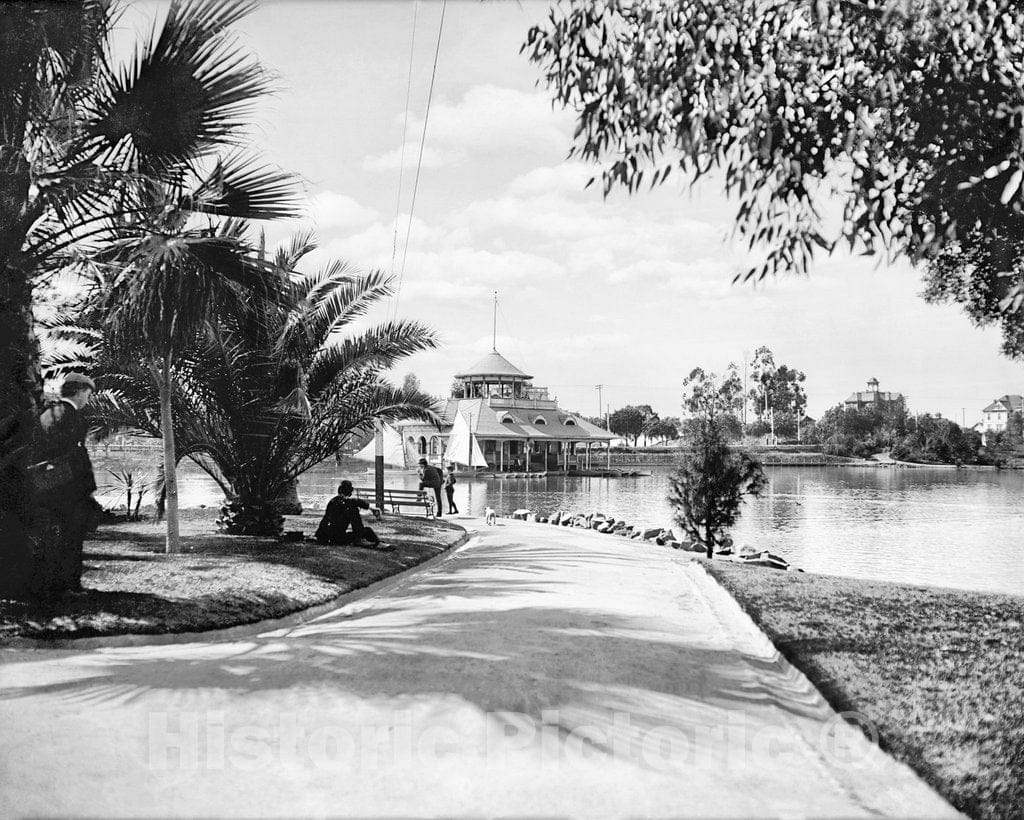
(397, 499)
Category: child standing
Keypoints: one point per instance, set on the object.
(449, 489)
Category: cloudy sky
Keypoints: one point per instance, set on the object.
(631, 293)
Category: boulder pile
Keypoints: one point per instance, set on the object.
(671, 536)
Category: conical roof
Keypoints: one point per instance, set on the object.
(493, 364)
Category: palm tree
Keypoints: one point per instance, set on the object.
(84, 141)
(168, 286)
(274, 387)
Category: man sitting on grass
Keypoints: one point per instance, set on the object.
(341, 514)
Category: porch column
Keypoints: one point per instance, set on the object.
(608, 451)
(529, 453)
(501, 455)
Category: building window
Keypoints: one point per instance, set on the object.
(423, 446)
(507, 420)
(539, 420)
(435, 445)
(570, 422)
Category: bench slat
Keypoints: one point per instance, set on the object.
(399, 498)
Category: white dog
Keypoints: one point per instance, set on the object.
(490, 516)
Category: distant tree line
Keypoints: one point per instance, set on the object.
(924, 438)
(632, 422)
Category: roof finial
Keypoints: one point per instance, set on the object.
(494, 336)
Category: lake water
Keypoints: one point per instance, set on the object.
(952, 528)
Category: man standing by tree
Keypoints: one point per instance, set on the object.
(64, 483)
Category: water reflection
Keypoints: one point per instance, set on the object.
(939, 527)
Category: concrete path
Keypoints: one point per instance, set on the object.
(536, 671)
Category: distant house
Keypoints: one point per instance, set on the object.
(872, 397)
(994, 418)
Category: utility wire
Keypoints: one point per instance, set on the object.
(419, 160)
(405, 129)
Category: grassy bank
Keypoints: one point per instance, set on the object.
(221, 581)
(940, 672)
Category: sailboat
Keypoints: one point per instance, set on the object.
(394, 449)
(463, 449)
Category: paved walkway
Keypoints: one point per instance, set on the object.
(535, 671)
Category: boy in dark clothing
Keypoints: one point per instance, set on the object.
(341, 514)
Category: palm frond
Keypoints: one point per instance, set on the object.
(299, 246)
(351, 406)
(111, 411)
(240, 187)
(185, 91)
(169, 284)
(379, 347)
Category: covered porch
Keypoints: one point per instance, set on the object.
(544, 455)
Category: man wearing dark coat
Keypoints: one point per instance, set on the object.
(430, 477)
(342, 523)
(66, 498)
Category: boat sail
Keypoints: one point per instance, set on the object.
(462, 445)
(394, 449)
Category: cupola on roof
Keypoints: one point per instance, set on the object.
(493, 364)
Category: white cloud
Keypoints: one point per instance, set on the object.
(488, 120)
(492, 119)
(393, 160)
(550, 215)
(329, 210)
(584, 345)
(565, 178)
(676, 275)
(471, 272)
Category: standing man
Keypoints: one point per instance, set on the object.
(65, 493)
(430, 477)
(449, 489)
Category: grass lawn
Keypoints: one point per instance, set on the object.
(939, 671)
(220, 580)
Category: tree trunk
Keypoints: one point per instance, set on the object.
(288, 501)
(170, 476)
(710, 541)
(20, 392)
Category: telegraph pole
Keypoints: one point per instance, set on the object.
(378, 464)
(600, 404)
